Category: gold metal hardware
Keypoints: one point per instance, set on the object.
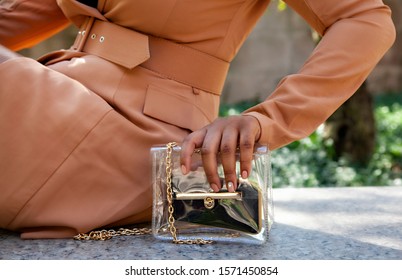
(209, 202)
(222, 195)
(171, 219)
(108, 234)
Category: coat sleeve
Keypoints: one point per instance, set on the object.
(24, 23)
(355, 36)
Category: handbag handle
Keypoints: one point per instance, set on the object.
(209, 198)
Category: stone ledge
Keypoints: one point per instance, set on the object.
(318, 223)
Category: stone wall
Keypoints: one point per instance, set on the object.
(279, 45)
(62, 40)
(387, 76)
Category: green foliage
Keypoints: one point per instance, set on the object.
(235, 109)
(281, 6)
(388, 154)
(308, 162)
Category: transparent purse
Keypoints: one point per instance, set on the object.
(186, 210)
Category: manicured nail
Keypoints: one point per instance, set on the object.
(244, 174)
(214, 187)
(230, 187)
(183, 170)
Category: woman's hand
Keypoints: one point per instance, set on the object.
(221, 139)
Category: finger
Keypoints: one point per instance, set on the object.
(228, 150)
(189, 144)
(249, 133)
(209, 154)
(246, 147)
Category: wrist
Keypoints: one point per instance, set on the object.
(258, 126)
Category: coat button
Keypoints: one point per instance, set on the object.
(196, 91)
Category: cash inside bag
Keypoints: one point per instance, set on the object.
(196, 212)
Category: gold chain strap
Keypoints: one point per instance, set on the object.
(108, 234)
(169, 194)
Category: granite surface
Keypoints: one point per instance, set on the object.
(318, 223)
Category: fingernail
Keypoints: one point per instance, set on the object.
(214, 187)
(230, 187)
(183, 170)
(244, 174)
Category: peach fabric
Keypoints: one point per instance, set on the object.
(76, 132)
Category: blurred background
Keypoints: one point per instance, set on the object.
(360, 145)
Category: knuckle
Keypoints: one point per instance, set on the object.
(206, 151)
(189, 138)
(230, 173)
(247, 145)
(226, 149)
(211, 178)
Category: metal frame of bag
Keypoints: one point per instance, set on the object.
(186, 210)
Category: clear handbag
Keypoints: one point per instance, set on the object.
(186, 210)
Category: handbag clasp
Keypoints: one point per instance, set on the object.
(209, 198)
(209, 202)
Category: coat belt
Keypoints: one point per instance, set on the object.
(130, 48)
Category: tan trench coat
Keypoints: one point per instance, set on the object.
(75, 129)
